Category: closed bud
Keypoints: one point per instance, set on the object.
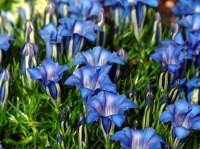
(59, 137)
(101, 35)
(62, 117)
(174, 30)
(29, 32)
(4, 87)
(68, 109)
(50, 14)
(60, 141)
(165, 99)
(82, 131)
(148, 95)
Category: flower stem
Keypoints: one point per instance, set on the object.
(176, 143)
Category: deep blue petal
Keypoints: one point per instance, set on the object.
(92, 116)
(181, 106)
(181, 132)
(196, 22)
(85, 92)
(118, 119)
(35, 73)
(106, 124)
(157, 57)
(179, 38)
(166, 116)
(173, 67)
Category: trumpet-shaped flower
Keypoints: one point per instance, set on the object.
(75, 33)
(97, 56)
(110, 107)
(191, 22)
(49, 74)
(4, 87)
(171, 54)
(125, 11)
(62, 6)
(51, 37)
(192, 90)
(4, 44)
(193, 40)
(121, 10)
(85, 9)
(131, 138)
(90, 80)
(183, 118)
(183, 7)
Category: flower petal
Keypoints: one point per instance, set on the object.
(181, 132)
(92, 116)
(118, 119)
(166, 116)
(35, 73)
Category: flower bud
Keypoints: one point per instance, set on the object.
(4, 87)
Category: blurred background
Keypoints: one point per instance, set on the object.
(13, 5)
(165, 9)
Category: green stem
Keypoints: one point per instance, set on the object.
(176, 143)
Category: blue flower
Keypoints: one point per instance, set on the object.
(75, 33)
(183, 118)
(193, 40)
(1, 147)
(125, 11)
(61, 7)
(131, 138)
(4, 87)
(191, 22)
(192, 90)
(98, 57)
(121, 11)
(52, 38)
(90, 80)
(49, 74)
(110, 107)
(183, 7)
(4, 44)
(152, 3)
(85, 9)
(171, 54)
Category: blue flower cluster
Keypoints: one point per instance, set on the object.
(176, 56)
(96, 88)
(125, 12)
